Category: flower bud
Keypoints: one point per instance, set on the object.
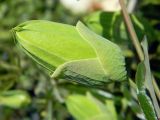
(71, 53)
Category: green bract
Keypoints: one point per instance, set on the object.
(71, 53)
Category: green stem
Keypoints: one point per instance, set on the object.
(50, 110)
(138, 48)
(56, 91)
(156, 88)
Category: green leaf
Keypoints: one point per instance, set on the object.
(110, 106)
(140, 76)
(14, 99)
(88, 108)
(7, 81)
(8, 75)
(102, 23)
(71, 54)
(149, 77)
(146, 105)
(144, 100)
(143, 79)
(111, 26)
(146, 2)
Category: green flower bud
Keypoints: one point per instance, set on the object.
(71, 53)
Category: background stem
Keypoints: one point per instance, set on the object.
(156, 88)
(131, 30)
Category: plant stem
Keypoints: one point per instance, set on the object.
(131, 30)
(156, 88)
(138, 48)
(49, 110)
(56, 91)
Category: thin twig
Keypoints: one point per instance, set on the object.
(156, 88)
(131, 30)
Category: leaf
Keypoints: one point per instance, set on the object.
(156, 2)
(9, 69)
(88, 108)
(14, 99)
(146, 105)
(7, 81)
(102, 23)
(140, 76)
(149, 77)
(111, 26)
(144, 100)
(143, 77)
(69, 54)
(110, 106)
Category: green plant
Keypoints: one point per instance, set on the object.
(142, 56)
(78, 54)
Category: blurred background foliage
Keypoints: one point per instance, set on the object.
(28, 93)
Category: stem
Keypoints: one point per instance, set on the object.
(50, 110)
(138, 48)
(156, 88)
(131, 30)
(56, 91)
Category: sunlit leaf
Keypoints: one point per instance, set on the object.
(89, 108)
(14, 99)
